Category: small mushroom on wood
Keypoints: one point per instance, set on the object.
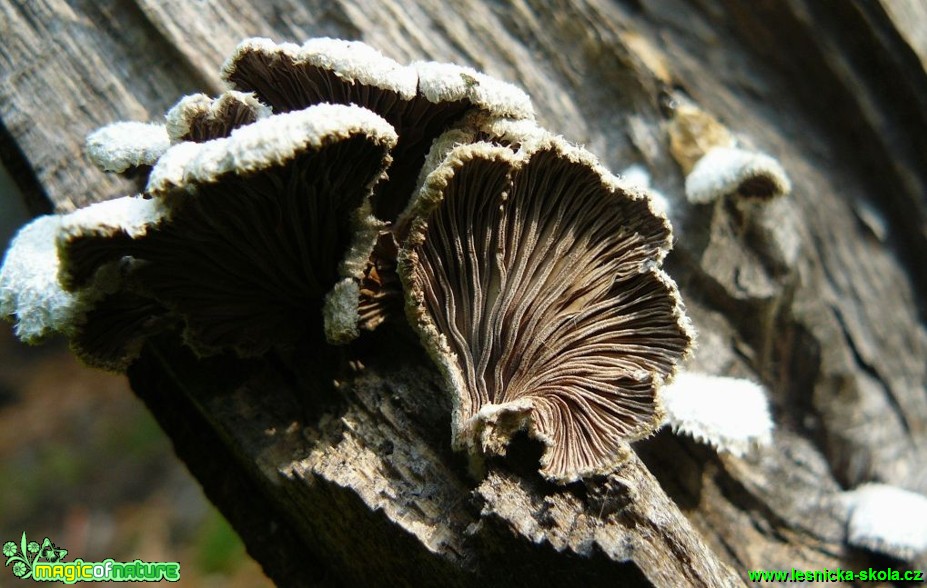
(728, 170)
(714, 164)
(133, 148)
(533, 278)
(730, 414)
(887, 519)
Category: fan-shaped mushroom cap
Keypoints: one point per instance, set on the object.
(290, 76)
(420, 100)
(29, 289)
(123, 146)
(35, 287)
(106, 327)
(256, 225)
(200, 118)
(533, 279)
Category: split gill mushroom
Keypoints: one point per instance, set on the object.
(532, 275)
(238, 241)
(533, 278)
(420, 100)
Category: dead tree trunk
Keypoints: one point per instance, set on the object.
(356, 483)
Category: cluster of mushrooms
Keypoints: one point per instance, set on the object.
(330, 189)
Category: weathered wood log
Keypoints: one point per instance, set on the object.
(344, 474)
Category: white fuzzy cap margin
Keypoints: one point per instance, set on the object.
(730, 414)
(351, 60)
(887, 519)
(29, 288)
(728, 170)
(120, 146)
(133, 215)
(445, 82)
(265, 143)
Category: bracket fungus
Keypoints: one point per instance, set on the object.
(199, 118)
(420, 100)
(239, 241)
(105, 325)
(259, 223)
(533, 277)
(727, 170)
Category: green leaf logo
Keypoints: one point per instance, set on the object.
(24, 556)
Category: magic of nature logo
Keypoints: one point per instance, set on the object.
(44, 562)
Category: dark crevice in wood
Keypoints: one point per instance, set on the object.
(871, 371)
(267, 534)
(523, 456)
(750, 317)
(798, 355)
(17, 164)
(678, 463)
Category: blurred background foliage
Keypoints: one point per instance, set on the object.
(83, 463)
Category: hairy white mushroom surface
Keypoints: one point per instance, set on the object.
(887, 519)
(533, 277)
(121, 146)
(35, 292)
(29, 289)
(731, 414)
(724, 170)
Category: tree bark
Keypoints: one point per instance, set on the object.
(344, 475)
